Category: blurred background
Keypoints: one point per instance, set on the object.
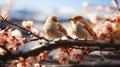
(39, 10)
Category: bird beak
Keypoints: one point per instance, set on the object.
(70, 19)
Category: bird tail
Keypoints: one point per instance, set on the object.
(69, 37)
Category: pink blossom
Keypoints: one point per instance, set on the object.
(104, 28)
(16, 33)
(86, 5)
(99, 8)
(4, 14)
(61, 57)
(37, 65)
(35, 31)
(75, 55)
(2, 51)
(27, 24)
(109, 9)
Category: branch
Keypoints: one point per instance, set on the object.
(26, 30)
(69, 43)
(14, 24)
(111, 63)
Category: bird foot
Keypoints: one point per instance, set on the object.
(111, 40)
(76, 39)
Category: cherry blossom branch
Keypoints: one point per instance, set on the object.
(69, 43)
(26, 30)
(14, 24)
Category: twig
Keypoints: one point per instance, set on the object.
(111, 63)
(116, 1)
(33, 40)
(102, 57)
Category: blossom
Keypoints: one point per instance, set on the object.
(94, 18)
(37, 65)
(75, 55)
(35, 31)
(22, 62)
(104, 28)
(31, 60)
(97, 30)
(61, 56)
(2, 51)
(27, 24)
(16, 33)
(86, 5)
(117, 17)
(109, 9)
(4, 14)
(12, 39)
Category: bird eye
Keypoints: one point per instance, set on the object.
(55, 20)
(76, 18)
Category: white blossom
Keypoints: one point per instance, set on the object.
(27, 24)
(86, 5)
(4, 13)
(104, 28)
(16, 33)
(35, 30)
(99, 8)
(37, 65)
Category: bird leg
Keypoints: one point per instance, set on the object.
(111, 39)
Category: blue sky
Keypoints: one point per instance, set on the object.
(62, 8)
(36, 4)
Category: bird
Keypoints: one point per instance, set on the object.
(54, 29)
(81, 28)
(115, 35)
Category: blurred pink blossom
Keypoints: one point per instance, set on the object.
(86, 5)
(27, 24)
(99, 8)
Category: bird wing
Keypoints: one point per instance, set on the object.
(61, 28)
(89, 28)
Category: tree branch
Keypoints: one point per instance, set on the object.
(69, 43)
(111, 63)
(25, 30)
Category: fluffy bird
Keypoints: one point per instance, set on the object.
(116, 34)
(54, 29)
(81, 28)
